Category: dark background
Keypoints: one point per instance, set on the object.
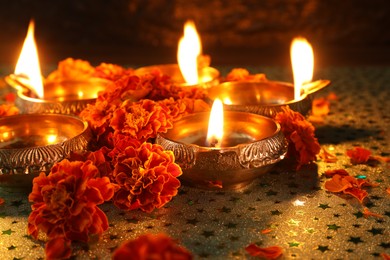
(236, 32)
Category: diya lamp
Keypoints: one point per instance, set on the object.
(224, 149)
(32, 143)
(36, 96)
(187, 73)
(268, 97)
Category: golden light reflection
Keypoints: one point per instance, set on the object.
(227, 101)
(189, 49)
(299, 203)
(302, 60)
(28, 62)
(51, 139)
(215, 127)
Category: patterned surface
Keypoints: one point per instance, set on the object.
(304, 219)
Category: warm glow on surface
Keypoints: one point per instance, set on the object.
(215, 129)
(302, 60)
(187, 54)
(28, 62)
(51, 139)
(227, 101)
(299, 203)
(81, 94)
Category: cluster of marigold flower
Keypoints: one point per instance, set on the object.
(123, 164)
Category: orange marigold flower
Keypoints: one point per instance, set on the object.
(385, 256)
(64, 202)
(176, 108)
(99, 158)
(72, 69)
(303, 145)
(148, 246)
(388, 190)
(162, 87)
(272, 252)
(8, 110)
(141, 120)
(181, 107)
(331, 173)
(2, 201)
(128, 87)
(367, 213)
(195, 105)
(98, 116)
(111, 71)
(359, 155)
(240, 74)
(147, 176)
(121, 142)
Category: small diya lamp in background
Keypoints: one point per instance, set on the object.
(32, 143)
(226, 150)
(52, 96)
(268, 97)
(193, 68)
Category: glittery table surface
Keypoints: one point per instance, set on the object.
(303, 218)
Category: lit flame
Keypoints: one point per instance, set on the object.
(302, 60)
(28, 62)
(189, 49)
(215, 129)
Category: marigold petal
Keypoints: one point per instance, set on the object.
(327, 156)
(320, 107)
(357, 193)
(367, 213)
(331, 173)
(358, 155)
(58, 248)
(272, 252)
(337, 184)
(266, 231)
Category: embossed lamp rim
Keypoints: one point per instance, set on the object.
(274, 95)
(234, 166)
(20, 163)
(65, 102)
